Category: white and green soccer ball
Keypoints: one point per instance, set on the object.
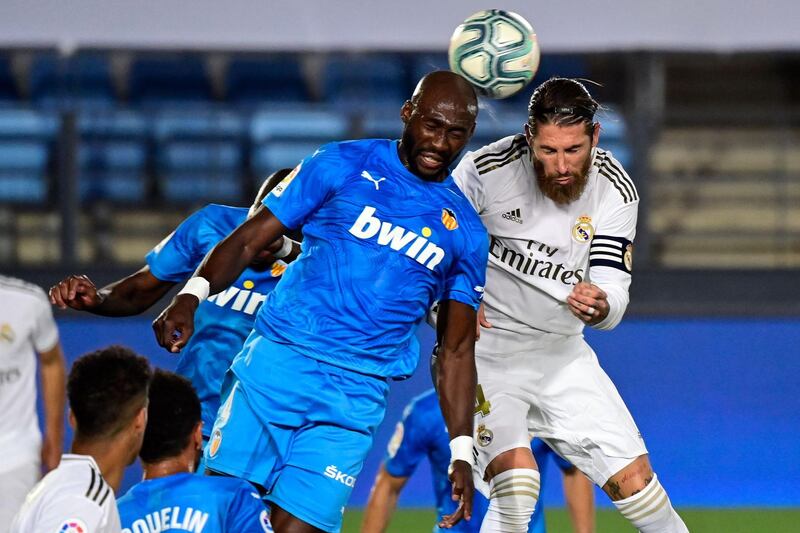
(496, 51)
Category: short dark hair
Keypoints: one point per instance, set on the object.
(562, 101)
(106, 389)
(172, 415)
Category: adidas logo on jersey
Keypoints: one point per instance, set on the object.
(398, 238)
(514, 216)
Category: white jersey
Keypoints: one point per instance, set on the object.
(73, 498)
(540, 249)
(26, 327)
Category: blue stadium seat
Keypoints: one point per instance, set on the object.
(366, 80)
(191, 171)
(112, 156)
(182, 187)
(18, 123)
(82, 80)
(23, 171)
(614, 127)
(267, 79)
(382, 123)
(269, 157)
(200, 123)
(298, 124)
(169, 80)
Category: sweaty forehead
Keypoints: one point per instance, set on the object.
(447, 109)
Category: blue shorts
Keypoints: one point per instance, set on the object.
(299, 427)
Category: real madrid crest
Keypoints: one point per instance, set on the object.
(627, 257)
(583, 231)
(485, 436)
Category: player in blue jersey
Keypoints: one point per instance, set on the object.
(223, 322)
(170, 497)
(422, 435)
(386, 232)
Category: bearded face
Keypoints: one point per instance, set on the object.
(561, 157)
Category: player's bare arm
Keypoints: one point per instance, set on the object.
(126, 297)
(226, 261)
(53, 376)
(382, 501)
(455, 381)
(588, 302)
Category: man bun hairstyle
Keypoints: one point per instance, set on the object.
(563, 102)
(106, 389)
(172, 416)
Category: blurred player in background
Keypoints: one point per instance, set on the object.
(386, 233)
(172, 447)
(107, 392)
(27, 330)
(422, 434)
(223, 322)
(561, 215)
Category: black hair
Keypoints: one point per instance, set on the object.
(172, 416)
(562, 101)
(106, 389)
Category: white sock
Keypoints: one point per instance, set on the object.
(512, 499)
(650, 510)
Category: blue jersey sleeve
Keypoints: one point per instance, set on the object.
(468, 275)
(178, 255)
(247, 513)
(407, 447)
(307, 187)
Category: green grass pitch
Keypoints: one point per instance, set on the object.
(609, 521)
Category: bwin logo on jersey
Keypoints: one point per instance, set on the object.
(335, 474)
(398, 238)
(242, 300)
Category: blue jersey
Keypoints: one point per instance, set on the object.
(380, 246)
(187, 502)
(421, 435)
(221, 323)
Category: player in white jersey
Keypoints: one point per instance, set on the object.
(27, 331)
(561, 215)
(107, 392)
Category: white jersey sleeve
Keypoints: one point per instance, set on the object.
(611, 254)
(468, 180)
(44, 333)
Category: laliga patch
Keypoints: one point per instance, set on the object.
(396, 440)
(583, 231)
(627, 257)
(263, 519)
(485, 436)
(279, 188)
(449, 219)
(73, 525)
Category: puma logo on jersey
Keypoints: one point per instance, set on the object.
(238, 299)
(398, 238)
(335, 474)
(514, 216)
(367, 175)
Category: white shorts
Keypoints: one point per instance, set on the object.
(14, 486)
(554, 390)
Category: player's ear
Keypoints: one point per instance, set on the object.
(140, 420)
(405, 111)
(595, 134)
(72, 422)
(197, 436)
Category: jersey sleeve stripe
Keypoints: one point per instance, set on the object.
(105, 496)
(515, 144)
(91, 483)
(617, 175)
(503, 163)
(618, 170)
(99, 488)
(616, 185)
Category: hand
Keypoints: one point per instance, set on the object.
(175, 325)
(482, 322)
(463, 490)
(588, 302)
(51, 452)
(77, 292)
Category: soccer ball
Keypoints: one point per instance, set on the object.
(496, 51)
